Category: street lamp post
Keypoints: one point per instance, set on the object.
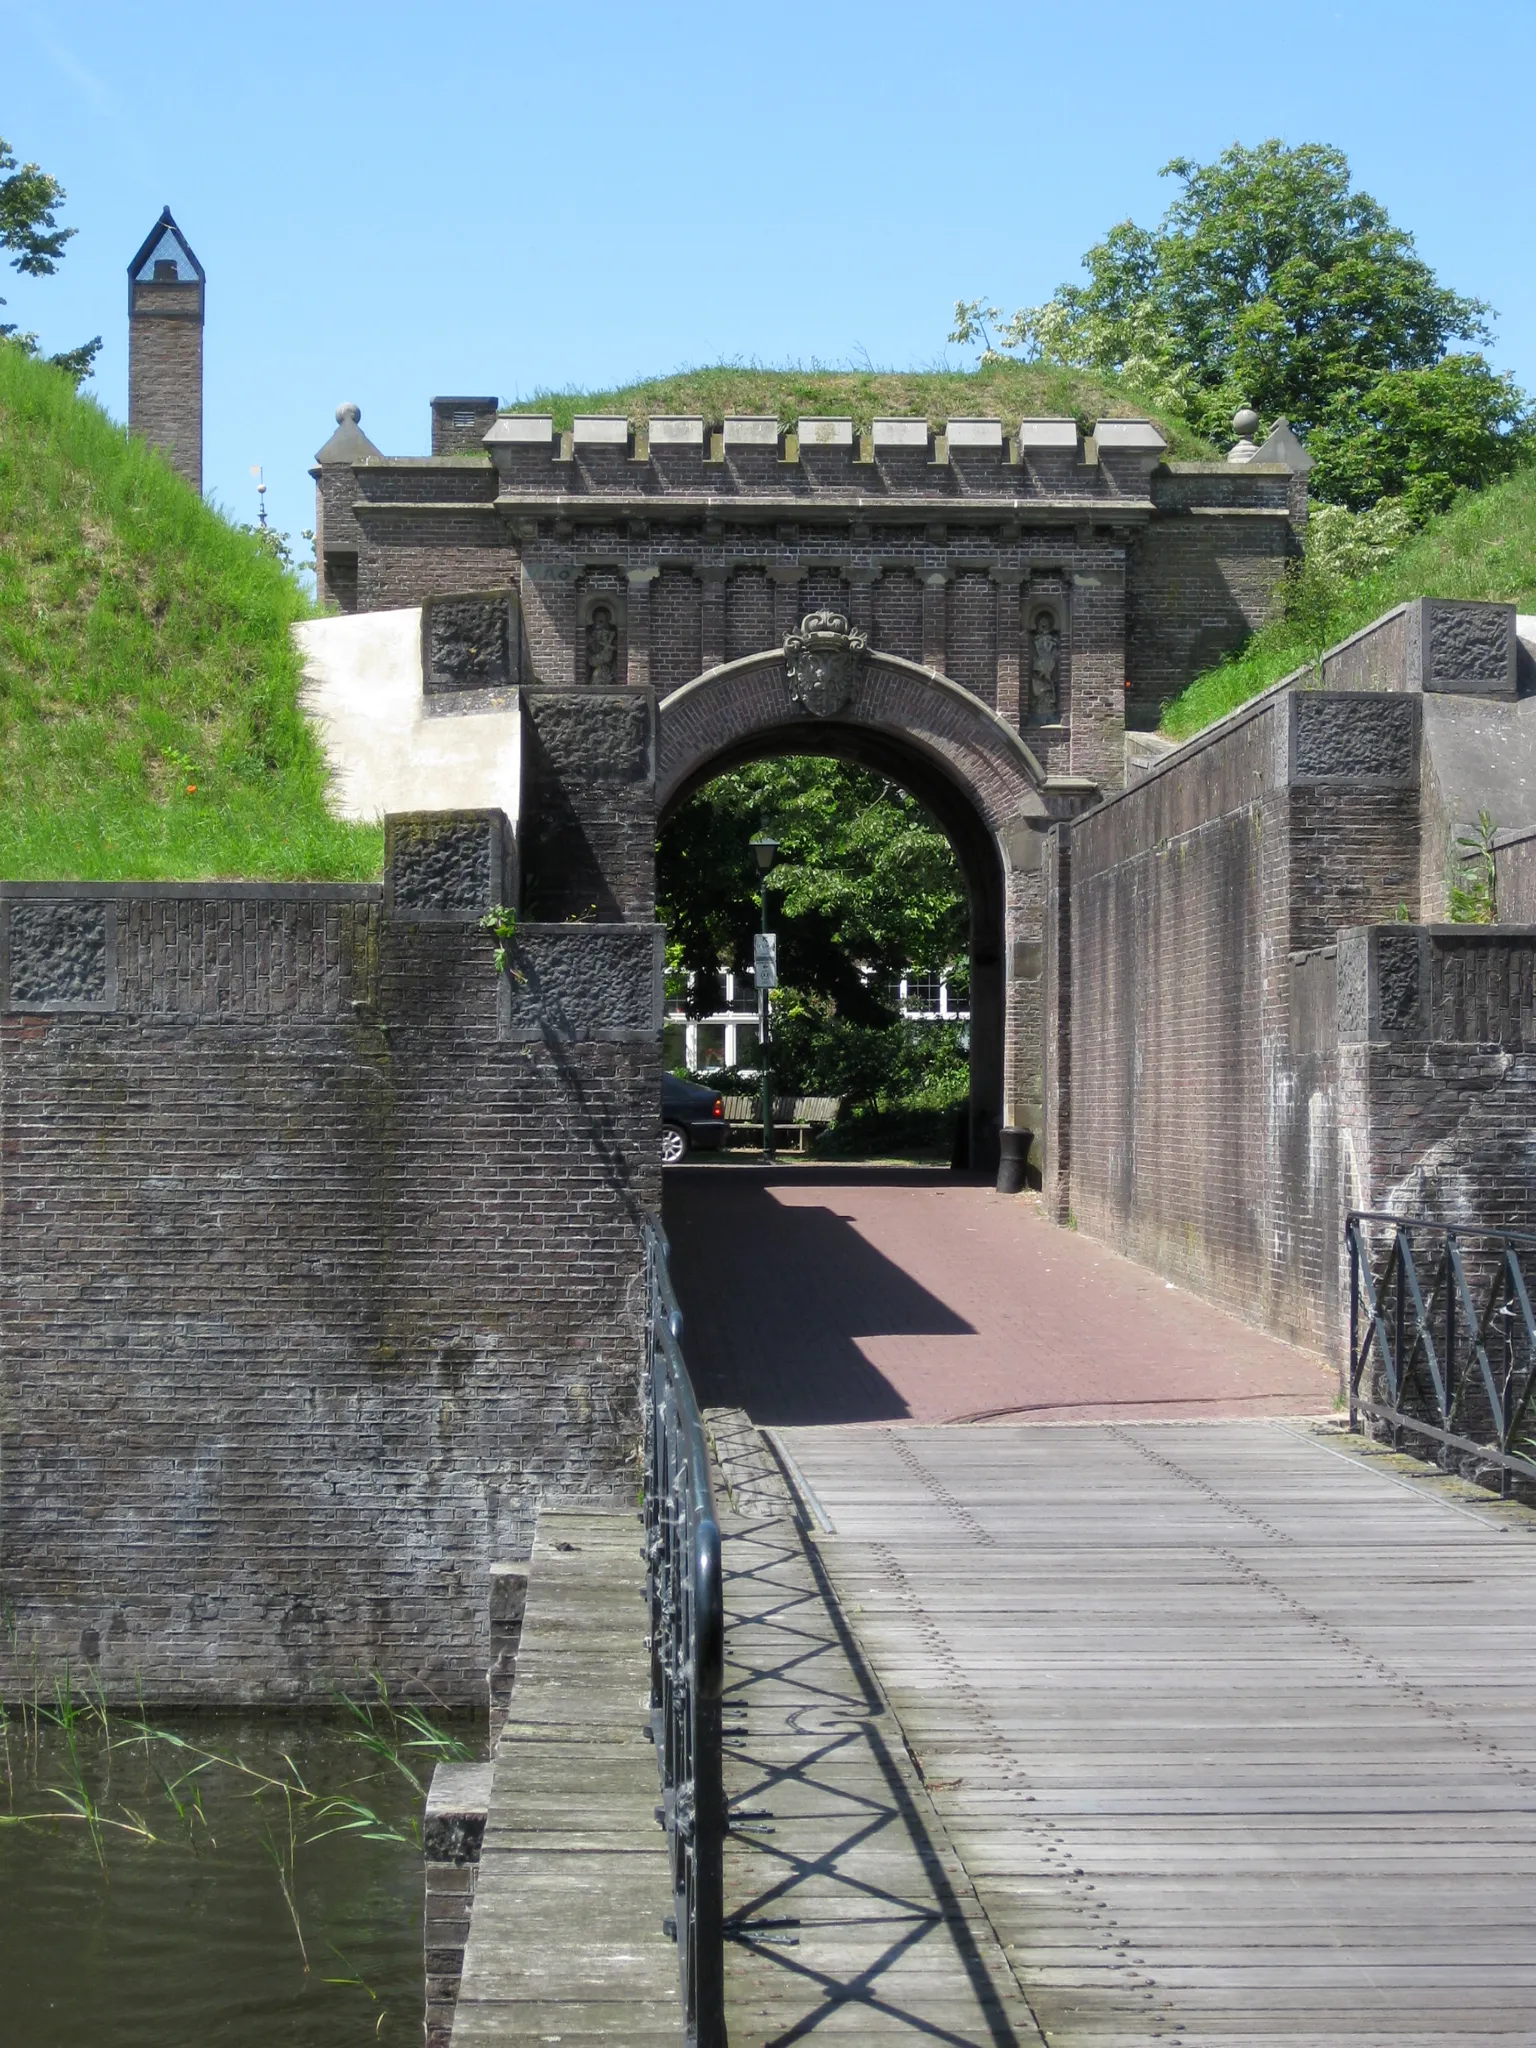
(765, 851)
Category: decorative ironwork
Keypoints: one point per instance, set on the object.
(687, 1643)
(821, 662)
(1442, 1340)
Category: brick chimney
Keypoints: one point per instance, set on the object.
(165, 348)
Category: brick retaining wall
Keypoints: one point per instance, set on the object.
(318, 1266)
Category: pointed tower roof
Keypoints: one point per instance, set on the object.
(165, 244)
(349, 443)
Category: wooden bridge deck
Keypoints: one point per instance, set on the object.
(1233, 1731)
(849, 1915)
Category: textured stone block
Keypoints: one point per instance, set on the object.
(469, 642)
(447, 866)
(1463, 649)
(60, 954)
(1353, 1007)
(576, 983)
(1398, 1004)
(1338, 737)
(594, 739)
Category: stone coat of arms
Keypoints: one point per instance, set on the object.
(821, 662)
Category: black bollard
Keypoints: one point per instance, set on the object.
(1012, 1167)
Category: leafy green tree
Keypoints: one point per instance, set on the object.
(29, 230)
(1271, 282)
(1419, 436)
(865, 881)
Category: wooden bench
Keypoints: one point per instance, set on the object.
(798, 1115)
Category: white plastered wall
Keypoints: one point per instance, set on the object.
(388, 747)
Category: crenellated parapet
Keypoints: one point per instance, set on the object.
(1070, 580)
(758, 462)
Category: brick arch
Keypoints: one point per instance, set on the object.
(744, 707)
(977, 777)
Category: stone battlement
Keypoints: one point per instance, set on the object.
(1031, 462)
(1073, 582)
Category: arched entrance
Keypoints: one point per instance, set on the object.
(976, 776)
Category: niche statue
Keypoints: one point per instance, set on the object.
(1044, 664)
(602, 647)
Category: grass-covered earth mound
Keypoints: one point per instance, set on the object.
(1483, 547)
(149, 688)
(1005, 390)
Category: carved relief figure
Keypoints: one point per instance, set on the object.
(1045, 668)
(602, 647)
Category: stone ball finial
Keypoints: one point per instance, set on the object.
(348, 414)
(1245, 422)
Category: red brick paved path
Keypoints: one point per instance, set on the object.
(846, 1294)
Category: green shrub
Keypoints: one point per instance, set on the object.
(1483, 547)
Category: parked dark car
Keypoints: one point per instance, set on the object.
(691, 1116)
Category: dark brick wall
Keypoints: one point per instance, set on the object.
(165, 373)
(1437, 1052)
(1194, 1107)
(1054, 1149)
(1202, 575)
(937, 559)
(676, 622)
(460, 425)
(475, 558)
(971, 641)
(1094, 687)
(1515, 863)
(748, 613)
(898, 614)
(823, 589)
(319, 1267)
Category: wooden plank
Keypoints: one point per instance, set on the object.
(1232, 1732)
(566, 1939)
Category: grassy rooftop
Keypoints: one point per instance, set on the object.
(1483, 547)
(149, 689)
(1007, 391)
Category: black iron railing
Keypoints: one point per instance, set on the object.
(1442, 1342)
(682, 1548)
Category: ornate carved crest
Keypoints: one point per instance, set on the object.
(821, 662)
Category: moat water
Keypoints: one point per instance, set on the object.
(231, 1879)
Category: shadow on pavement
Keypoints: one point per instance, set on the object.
(775, 1298)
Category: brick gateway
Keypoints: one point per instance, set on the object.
(1018, 592)
(319, 1239)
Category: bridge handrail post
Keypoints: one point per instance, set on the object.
(687, 1642)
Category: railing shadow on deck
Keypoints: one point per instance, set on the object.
(835, 1726)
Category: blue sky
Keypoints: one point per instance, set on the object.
(394, 200)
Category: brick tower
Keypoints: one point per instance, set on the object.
(165, 348)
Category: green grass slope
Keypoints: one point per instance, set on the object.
(149, 716)
(1483, 547)
(1007, 391)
